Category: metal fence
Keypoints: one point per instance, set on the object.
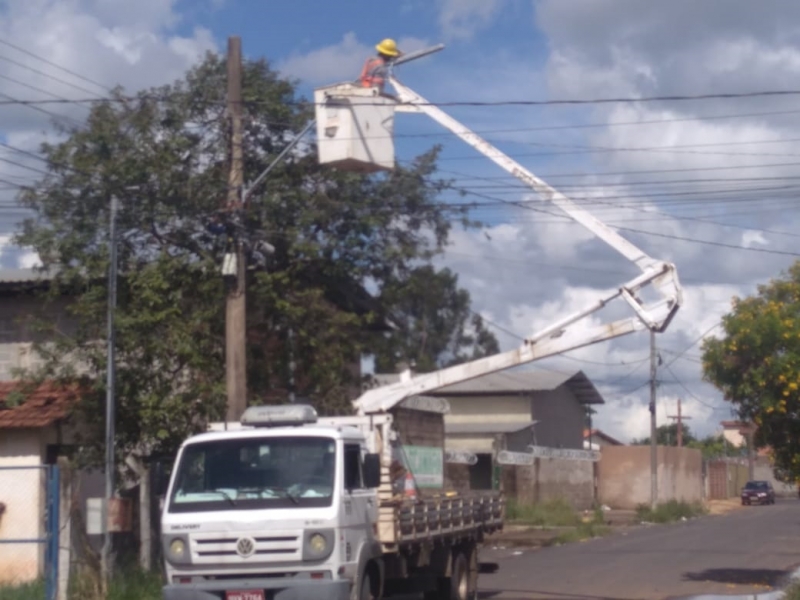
(29, 526)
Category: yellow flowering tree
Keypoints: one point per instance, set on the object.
(756, 365)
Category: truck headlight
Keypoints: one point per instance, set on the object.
(317, 545)
(176, 549)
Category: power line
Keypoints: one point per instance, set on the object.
(708, 242)
(52, 64)
(53, 77)
(22, 166)
(716, 96)
(618, 100)
(692, 394)
(32, 87)
(42, 110)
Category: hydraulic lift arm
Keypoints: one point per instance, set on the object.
(563, 335)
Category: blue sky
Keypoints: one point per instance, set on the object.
(709, 185)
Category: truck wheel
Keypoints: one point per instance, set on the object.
(365, 593)
(457, 586)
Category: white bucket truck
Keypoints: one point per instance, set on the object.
(290, 506)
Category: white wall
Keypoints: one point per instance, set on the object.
(22, 491)
(488, 409)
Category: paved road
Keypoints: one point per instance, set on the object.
(745, 551)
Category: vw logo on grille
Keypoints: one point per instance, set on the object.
(245, 547)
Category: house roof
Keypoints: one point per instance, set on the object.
(507, 383)
(596, 433)
(40, 407)
(487, 428)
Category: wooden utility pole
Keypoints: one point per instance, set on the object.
(235, 309)
(680, 418)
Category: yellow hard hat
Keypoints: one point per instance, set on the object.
(388, 47)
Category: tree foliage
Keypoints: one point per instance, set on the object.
(756, 365)
(436, 325)
(667, 435)
(330, 230)
(711, 446)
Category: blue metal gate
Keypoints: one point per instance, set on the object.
(17, 484)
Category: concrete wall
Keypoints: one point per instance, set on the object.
(725, 477)
(624, 475)
(17, 333)
(763, 470)
(560, 419)
(551, 479)
(22, 493)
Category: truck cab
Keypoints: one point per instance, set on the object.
(281, 509)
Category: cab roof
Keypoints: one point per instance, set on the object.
(335, 432)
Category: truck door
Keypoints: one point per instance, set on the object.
(358, 505)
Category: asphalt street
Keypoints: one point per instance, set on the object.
(747, 551)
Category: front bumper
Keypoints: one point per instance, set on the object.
(275, 589)
(755, 499)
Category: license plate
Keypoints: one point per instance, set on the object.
(245, 595)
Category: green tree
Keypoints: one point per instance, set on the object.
(330, 230)
(667, 435)
(437, 326)
(755, 363)
(714, 446)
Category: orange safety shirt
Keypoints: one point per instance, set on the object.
(374, 73)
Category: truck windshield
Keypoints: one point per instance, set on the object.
(253, 473)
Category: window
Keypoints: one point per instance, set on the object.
(255, 473)
(352, 467)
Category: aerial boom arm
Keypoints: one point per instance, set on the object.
(559, 337)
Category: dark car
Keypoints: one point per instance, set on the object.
(758, 492)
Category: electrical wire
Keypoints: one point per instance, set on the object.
(692, 394)
(52, 64)
(44, 74)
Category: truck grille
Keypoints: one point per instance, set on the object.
(246, 547)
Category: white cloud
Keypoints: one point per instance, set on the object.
(29, 260)
(131, 44)
(754, 238)
(462, 18)
(104, 43)
(338, 62)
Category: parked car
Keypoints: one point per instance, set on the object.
(758, 492)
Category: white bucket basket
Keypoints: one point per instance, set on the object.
(354, 128)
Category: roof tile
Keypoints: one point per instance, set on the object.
(42, 406)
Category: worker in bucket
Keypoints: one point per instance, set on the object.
(376, 68)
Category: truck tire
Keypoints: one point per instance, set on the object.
(365, 589)
(455, 587)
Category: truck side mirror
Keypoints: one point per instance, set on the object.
(372, 471)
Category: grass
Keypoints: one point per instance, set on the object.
(128, 585)
(558, 514)
(669, 512)
(555, 513)
(26, 591)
